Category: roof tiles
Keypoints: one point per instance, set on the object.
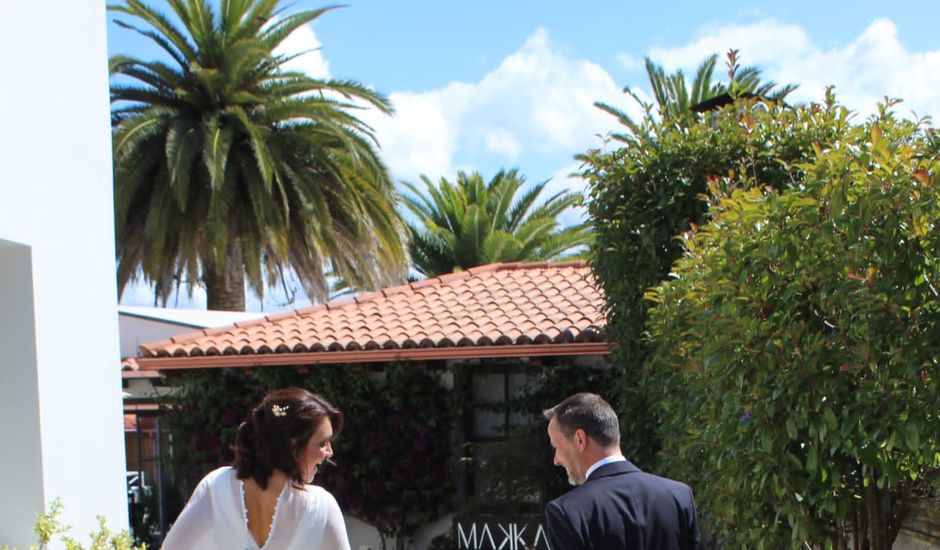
(498, 304)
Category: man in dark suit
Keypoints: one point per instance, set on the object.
(614, 505)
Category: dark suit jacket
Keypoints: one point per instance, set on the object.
(620, 507)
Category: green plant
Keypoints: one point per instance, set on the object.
(229, 166)
(49, 527)
(471, 222)
(647, 191)
(398, 473)
(675, 98)
(795, 371)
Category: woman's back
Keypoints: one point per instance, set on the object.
(217, 516)
(261, 504)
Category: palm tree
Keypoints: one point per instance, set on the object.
(672, 93)
(227, 165)
(675, 99)
(470, 223)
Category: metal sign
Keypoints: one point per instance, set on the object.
(489, 532)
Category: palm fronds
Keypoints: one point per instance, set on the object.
(223, 157)
(471, 222)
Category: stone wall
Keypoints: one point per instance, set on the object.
(921, 530)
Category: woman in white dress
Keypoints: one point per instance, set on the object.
(263, 501)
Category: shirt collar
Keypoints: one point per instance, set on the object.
(603, 462)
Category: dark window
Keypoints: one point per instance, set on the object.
(493, 390)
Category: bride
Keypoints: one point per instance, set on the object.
(264, 501)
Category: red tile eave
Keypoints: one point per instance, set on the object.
(141, 407)
(372, 356)
(136, 374)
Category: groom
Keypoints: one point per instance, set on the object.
(615, 505)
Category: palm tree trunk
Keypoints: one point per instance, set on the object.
(225, 284)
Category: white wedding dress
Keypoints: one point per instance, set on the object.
(215, 518)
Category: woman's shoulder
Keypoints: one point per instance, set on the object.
(311, 513)
(317, 492)
(317, 498)
(222, 472)
(219, 476)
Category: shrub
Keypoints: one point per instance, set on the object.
(48, 528)
(795, 348)
(647, 191)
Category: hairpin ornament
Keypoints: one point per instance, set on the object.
(279, 411)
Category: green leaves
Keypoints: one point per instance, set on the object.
(786, 335)
(471, 223)
(675, 98)
(225, 156)
(181, 149)
(912, 436)
(218, 141)
(829, 418)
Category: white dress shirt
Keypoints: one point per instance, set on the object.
(603, 462)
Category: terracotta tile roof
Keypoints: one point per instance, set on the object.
(530, 304)
(130, 369)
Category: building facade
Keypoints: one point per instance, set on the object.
(60, 396)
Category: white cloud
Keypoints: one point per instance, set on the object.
(538, 103)
(872, 66)
(503, 142)
(566, 178)
(545, 97)
(417, 139)
(759, 43)
(303, 39)
(628, 62)
(864, 70)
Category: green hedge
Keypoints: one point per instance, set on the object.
(796, 362)
(789, 371)
(649, 190)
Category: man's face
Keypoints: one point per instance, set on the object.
(566, 453)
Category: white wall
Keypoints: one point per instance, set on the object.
(56, 209)
(363, 536)
(19, 393)
(145, 325)
(135, 331)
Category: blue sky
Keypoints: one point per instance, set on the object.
(490, 84)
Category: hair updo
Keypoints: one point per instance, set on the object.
(277, 431)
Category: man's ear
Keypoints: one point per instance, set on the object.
(580, 439)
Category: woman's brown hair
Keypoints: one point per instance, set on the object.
(277, 431)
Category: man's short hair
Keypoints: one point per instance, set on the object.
(588, 412)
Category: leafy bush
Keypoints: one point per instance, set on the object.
(396, 469)
(48, 528)
(647, 191)
(795, 368)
